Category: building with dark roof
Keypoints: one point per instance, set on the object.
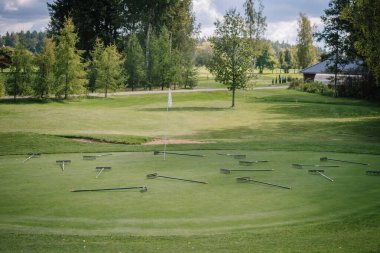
(323, 72)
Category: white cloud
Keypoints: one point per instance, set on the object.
(37, 24)
(287, 30)
(206, 14)
(14, 5)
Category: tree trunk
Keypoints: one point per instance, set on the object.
(106, 91)
(233, 95)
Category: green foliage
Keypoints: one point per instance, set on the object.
(231, 60)
(46, 61)
(306, 52)
(2, 86)
(134, 64)
(364, 16)
(266, 58)
(5, 57)
(69, 68)
(310, 87)
(109, 69)
(21, 71)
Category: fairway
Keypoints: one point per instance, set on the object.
(39, 211)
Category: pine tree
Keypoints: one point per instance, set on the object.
(134, 64)
(109, 69)
(69, 68)
(44, 81)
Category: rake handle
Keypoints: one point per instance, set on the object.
(253, 170)
(181, 179)
(173, 153)
(285, 187)
(109, 189)
(323, 175)
(346, 161)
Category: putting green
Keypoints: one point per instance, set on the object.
(36, 195)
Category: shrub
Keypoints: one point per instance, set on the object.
(310, 87)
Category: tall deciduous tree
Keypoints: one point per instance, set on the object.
(21, 71)
(266, 58)
(306, 51)
(232, 56)
(364, 16)
(336, 34)
(44, 81)
(70, 74)
(255, 22)
(134, 64)
(109, 69)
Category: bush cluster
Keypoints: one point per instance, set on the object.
(311, 87)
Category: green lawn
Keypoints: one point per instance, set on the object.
(39, 213)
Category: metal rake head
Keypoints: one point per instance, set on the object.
(63, 161)
(243, 179)
(152, 176)
(225, 171)
(316, 171)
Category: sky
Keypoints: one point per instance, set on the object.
(282, 15)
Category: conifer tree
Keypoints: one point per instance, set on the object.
(69, 68)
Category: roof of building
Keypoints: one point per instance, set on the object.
(325, 68)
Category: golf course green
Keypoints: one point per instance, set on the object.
(39, 212)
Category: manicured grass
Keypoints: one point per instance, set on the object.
(38, 213)
(36, 199)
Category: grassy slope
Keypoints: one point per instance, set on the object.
(316, 216)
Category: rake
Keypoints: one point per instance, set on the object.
(93, 157)
(236, 156)
(32, 155)
(155, 175)
(248, 179)
(142, 189)
(62, 163)
(228, 171)
(174, 153)
(252, 162)
(343, 161)
(300, 166)
(373, 172)
(321, 172)
(101, 169)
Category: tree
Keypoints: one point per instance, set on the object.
(96, 55)
(306, 52)
(44, 81)
(336, 35)
(161, 64)
(134, 64)
(21, 72)
(232, 55)
(364, 17)
(255, 22)
(109, 69)
(69, 68)
(266, 58)
(5, 57)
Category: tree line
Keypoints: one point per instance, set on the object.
(113, 44)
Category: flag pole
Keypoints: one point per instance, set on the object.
(170, 102)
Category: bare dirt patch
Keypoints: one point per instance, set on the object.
(183, 141)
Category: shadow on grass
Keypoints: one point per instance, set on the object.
(27, 101)
(187, 109)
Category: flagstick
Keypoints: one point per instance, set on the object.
(166, 131)
(167, 120)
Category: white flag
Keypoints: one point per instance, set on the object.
(170, 101)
